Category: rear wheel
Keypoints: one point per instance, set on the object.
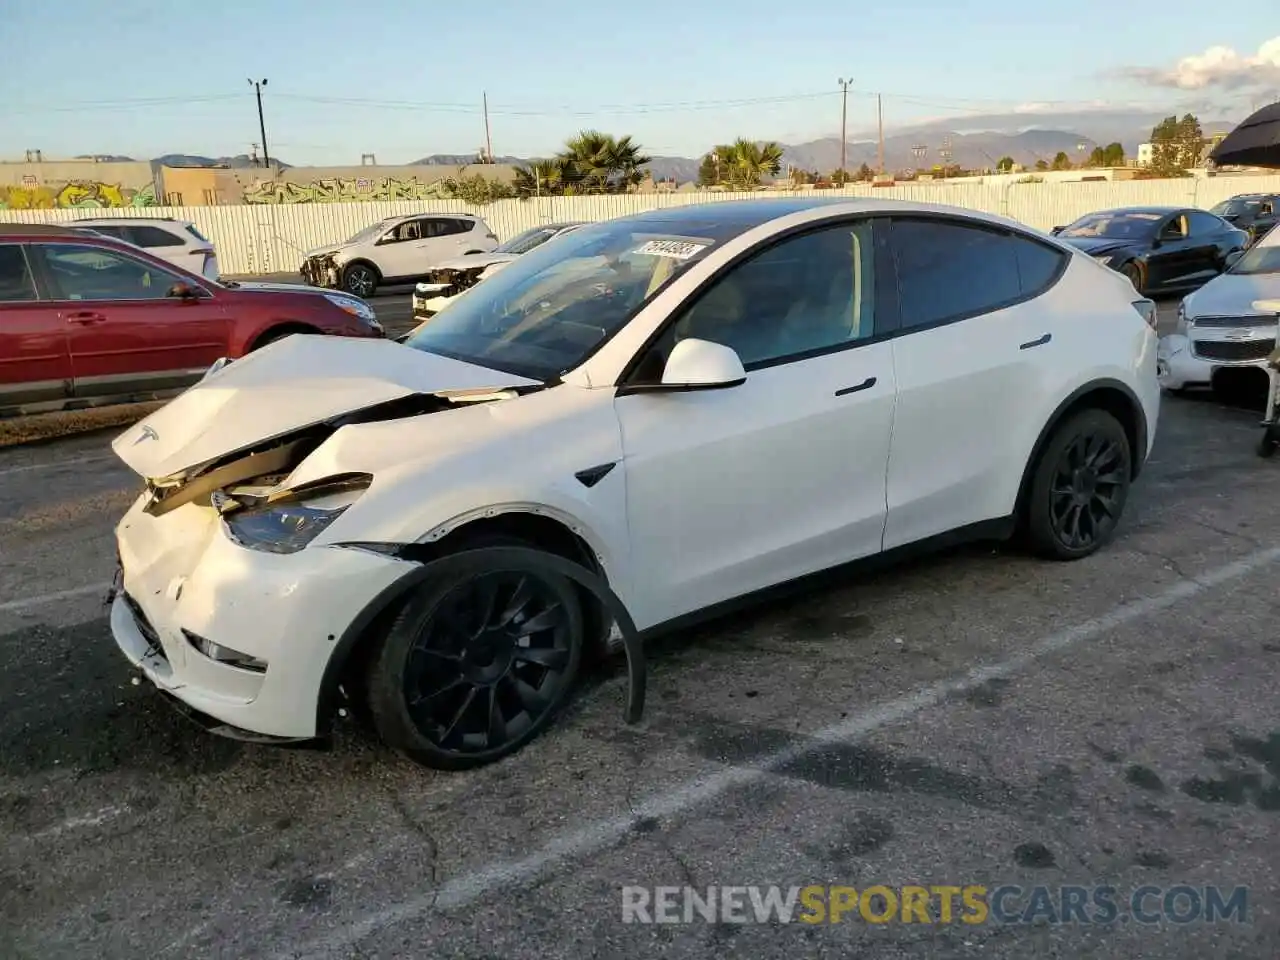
(474, 667)
(1079, 487)
(360, 279)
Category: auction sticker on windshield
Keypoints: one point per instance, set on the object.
(676, 249)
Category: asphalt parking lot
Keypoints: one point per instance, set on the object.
(975, 718)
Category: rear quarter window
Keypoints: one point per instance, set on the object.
(145, 236)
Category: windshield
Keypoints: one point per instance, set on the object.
(1118, 226)
(1262, 257)
(369, 232)
(524, 242)
(1236, 208)
(550, 309)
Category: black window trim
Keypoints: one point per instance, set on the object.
(36, 257)
(881, 255)
(37, 281)
(1001, 230)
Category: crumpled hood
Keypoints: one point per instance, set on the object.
(1232, 295)
(284, 387)
(328, 248)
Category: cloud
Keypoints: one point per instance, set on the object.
(1218, 67)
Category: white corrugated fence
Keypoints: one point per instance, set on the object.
(273, 237)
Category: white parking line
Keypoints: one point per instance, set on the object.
(470, 887)
(56, 463)
(18, 605)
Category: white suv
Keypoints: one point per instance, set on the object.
(177, 241)
(396, 250)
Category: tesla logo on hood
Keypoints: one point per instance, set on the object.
(147, 434)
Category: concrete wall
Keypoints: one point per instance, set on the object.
(269, 238)
(78, 184)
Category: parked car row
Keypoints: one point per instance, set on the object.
(86, 319)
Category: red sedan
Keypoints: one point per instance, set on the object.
(87, 320)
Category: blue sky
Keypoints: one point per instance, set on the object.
(142, 77)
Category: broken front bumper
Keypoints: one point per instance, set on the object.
(321, 272)
(186, 586)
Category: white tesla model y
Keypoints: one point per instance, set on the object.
(654, 417)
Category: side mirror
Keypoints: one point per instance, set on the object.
(1056, 230)
(215, 367)
(1233, 258)
(182, 291)
(695, 365)
(386, 238)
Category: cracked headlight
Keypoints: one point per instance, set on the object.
(287, 522)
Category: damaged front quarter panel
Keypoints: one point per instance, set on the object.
(322, 271)
(271, 462)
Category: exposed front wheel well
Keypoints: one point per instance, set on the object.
(534, 530)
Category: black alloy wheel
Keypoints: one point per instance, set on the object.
(471, 671)
(1080, 486)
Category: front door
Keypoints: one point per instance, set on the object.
(398, 250)
(125, 333)
(35, 366)
(734, 490)
(1176, 261)
(972, 354)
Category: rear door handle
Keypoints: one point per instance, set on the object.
(1036, 343)
(866, 384)
(86, 317)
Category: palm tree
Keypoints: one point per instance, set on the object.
(745, 162)
(595, 162)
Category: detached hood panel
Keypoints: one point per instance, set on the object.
(285, 387)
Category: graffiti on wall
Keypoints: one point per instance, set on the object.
(76, 194)
(347, 190)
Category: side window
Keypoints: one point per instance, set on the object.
(145, 236)
(1038, 265)
(445, 227)
(16, 284)
(949, 271)
(1175, 228)
(94, 273)
(1203, 224)
(119, 233)
(409, 230)
(807, 294)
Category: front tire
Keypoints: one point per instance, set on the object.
(475, 667)
(1079, 487)
(1134, 273)
(360, 279)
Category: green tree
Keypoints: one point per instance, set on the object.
(865, 173)
(1176, 146)
(1041, 165)
(741, 165)
(801, 177)
(708, 171)
(478, 189)
(1004, 164)
(1061, 161)
(590, 163)
(840, 177)
(1113, 155)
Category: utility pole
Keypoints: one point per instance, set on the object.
(844, 116)
(488, 140)
(880, 123)
(262, 126)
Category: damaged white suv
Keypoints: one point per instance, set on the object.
(633, 426)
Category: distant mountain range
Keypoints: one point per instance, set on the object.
(981, 142)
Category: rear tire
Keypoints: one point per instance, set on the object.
(1079, 487)
(472, 669)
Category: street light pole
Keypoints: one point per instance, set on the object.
(262, 126)
(844, 116)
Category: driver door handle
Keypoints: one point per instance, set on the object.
(86, 317)
(1030, 344)
(866, 384)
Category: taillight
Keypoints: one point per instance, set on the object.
(1147, 309)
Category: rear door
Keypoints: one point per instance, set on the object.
(1174, 261)
(125, 332)
(443, 239)
(170, 245)
(35, 365)
(1208, 242)
(971, 341)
